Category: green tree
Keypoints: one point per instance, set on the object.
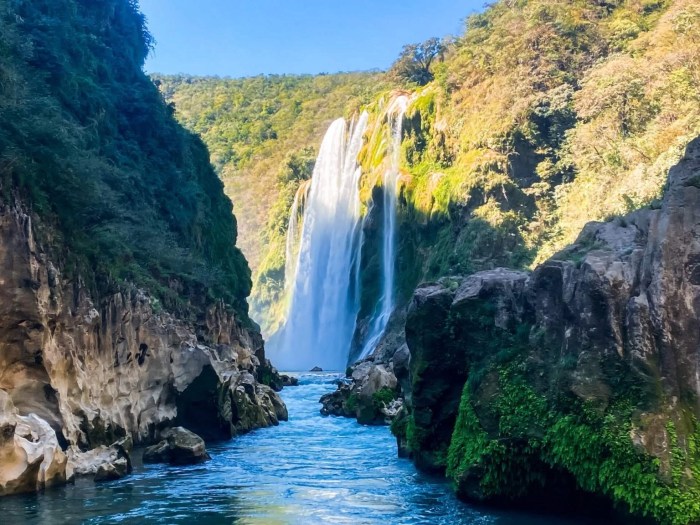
(416, 60)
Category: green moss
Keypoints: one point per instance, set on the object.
(597, 449)
(416, 437)
(535, 439)
(399, 426)
(352, 402)
(383, 397)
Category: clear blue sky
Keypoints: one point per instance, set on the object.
(248, 37)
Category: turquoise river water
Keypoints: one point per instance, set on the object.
(312, 469)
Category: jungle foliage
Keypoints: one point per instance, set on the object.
(542, 116)
(123, 192)
(545, 115)
(251, 125)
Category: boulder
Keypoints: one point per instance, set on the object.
(180, 447)
(289, 380)
(103, 463)
(111, 471)
(158, 453)
(336, 403)
(369, 395)
(245, 405)
(186, 448)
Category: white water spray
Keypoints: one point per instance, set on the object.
(395, 114)
(324, 304)
(291, 253)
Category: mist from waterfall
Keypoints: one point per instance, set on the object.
(395, 114)
(291, 254)
(323, 304)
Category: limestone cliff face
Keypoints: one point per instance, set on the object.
(30, 455)
(98, 370)
(584, 375)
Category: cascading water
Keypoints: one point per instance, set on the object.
(323, 306)
(395, 114)
(291, 255)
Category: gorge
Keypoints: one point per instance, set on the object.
(487, 253)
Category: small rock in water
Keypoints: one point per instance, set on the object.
(289, 380)
(316, 369)
(104, 463)
(181, 447)
(110, 471)
(159, 453)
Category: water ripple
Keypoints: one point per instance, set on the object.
(307, 471)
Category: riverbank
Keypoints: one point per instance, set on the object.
(312, 469)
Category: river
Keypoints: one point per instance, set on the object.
(312, 469)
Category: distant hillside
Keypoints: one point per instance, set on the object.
(547, 114)
(251, 125)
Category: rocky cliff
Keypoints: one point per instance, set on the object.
(583, 376)
(88, 372)
(123, 304)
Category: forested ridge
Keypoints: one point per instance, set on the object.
(542, 116)
(252, 125)
(547, 114)
(529, 355)
(122, 191)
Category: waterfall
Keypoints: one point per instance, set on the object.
(291, 255)
(324, 303)
(395, 114)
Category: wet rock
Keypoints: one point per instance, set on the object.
(158, 453)
(103, 463)
(186, 447)
(270, 376)
(289, 380)
(111, 471)
(316, 369)
(369, 395)
(180, 447)
(245, 405)
(336, 403)
(376, 390)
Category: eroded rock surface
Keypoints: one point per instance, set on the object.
(584, 375)
(180, 447)
(97, 370)
(102, 463)
(30, 456)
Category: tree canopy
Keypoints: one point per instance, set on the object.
(415, 62)
(122, 191)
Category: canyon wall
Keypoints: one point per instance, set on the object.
(580, 377)
(96, 371)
